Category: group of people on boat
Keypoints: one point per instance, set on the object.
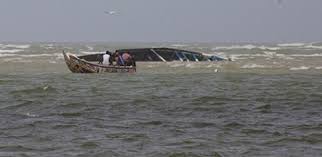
(120, 59)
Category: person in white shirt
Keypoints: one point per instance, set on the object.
(106, 58)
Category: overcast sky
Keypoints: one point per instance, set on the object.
(161, 20)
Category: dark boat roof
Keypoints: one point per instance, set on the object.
(162, 54)
(155, 54)
(158, 50)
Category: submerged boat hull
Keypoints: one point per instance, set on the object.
(77, 65)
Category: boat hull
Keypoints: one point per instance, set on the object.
(77, 65)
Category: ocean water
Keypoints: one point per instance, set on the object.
(266, 102)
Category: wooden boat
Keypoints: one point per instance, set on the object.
(80, 65)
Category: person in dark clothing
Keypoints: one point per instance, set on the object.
(110, 59)
(119, 60)
(133, 61)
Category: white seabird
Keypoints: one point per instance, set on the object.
(110, 12)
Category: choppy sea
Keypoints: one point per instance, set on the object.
(266, 102)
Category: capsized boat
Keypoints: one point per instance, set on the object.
(169, 54)
(161, 55)
(87, 64)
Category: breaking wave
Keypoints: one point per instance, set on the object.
(247, 47)
(48, 46)
(18, 60)
(179, 45)
(251, 66)
(307, 55)
(269, 54)
(90, 48)
(300, 68)
(7, 55)
(11, 51)
(15, 46)
(269, 48)
(43, 55)
(313, 47)
(272, 54)
(90, 52)
(301, 45)
(291, 45)
(57, 55)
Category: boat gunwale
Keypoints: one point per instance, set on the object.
(101, 65)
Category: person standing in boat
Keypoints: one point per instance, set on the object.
(119, 59)
(133, 61)
(128, 59)
(107, 58)
(124, 59)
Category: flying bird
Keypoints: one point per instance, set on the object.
(110, 12)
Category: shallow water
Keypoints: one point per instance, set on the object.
(166, 109)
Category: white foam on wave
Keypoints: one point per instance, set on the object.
(251, 66)
(43, 55)
(244, 56)
(233, 47)
(249, 55)
(31, 115)
(48, 46)
(90, 48)
(90, 52)
(270, 53)
(58, 55)
(179, 45)
(307, 55)
(318, 68)
(189, 65)
(15, 46)
(301, 45)
(291, 45)
(219, 54)
(283, 56)
(300, 68)
(269, 48)
(247, 47)
(18, 57)
(313, 47)
(176, 64)
(267, 54)
(18, 60)
(235, 57)
(36, 55)
(210, 66)
(12, 59)
(7, 55)
(11, 51)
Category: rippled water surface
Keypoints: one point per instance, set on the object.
(166, 109)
